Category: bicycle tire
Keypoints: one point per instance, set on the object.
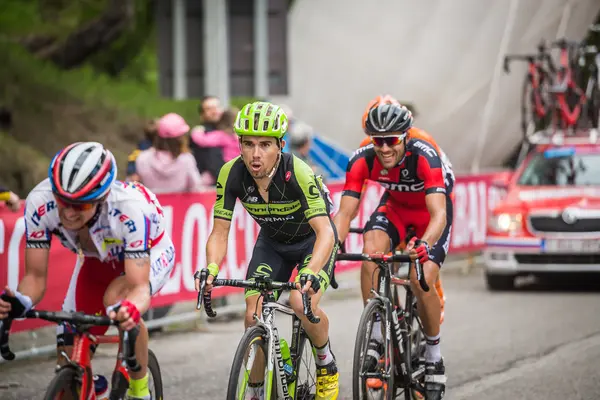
(65, 379)
(363, 335)
(154, 369)
(304, 390)
(251, 334)
(528, 109)
(594, 104)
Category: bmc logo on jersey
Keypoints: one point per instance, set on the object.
(430, 152)
(403, 187)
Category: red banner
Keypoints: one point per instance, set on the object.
(189, 219)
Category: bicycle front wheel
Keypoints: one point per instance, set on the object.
(65, 385)
(305, 384)
(155, 378)
(372, 380)
(250, 376)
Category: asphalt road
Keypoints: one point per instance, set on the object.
(539, 342)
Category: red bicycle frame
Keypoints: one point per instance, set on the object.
(565, 82)
(80, 356)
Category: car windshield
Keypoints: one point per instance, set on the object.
(562, 167)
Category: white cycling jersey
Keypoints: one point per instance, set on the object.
(127, 225)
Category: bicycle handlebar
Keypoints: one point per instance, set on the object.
(387, 258)
(530, 58)
(262, 285)
(75, 318)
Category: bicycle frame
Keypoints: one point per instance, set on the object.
(274, 357)
(565, 82)
(402, 331)
(82, 360)
(266, 321)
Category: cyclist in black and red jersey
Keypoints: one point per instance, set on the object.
(418, 188)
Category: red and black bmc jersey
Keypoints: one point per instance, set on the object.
(422, 171)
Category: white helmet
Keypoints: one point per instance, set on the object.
(82, 172)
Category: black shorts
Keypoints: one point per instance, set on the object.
(395, 220)
(278, 260)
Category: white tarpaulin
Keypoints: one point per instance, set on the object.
(440, 55)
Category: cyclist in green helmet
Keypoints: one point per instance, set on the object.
(292, 207)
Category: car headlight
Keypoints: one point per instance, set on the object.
(506, 222)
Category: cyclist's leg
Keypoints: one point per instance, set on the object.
(88, 283)
(162, 261)
(429, 309)
(327, 372)
(266, 263)
(428, 303)
(318, 333)
(380, 236)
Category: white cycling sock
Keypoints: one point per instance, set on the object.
(433, 352)
(323, 355)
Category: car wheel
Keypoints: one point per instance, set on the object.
(496, 282)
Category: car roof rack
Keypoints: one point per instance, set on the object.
(560, 137)
(557, 138)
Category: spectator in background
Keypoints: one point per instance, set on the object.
(168, 166)
(144, 144)
(222, 137)
(208, 159)
(11, 198)
(299, 139)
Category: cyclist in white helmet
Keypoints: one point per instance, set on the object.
(117, 229)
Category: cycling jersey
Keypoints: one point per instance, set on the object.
(295, 196)
(126, 225)
(420, 172)
(416, 133)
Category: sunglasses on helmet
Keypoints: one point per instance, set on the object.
(74, 206)
(390, 140)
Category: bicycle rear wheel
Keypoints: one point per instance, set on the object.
(249, 372)
(534, 108)
(65, 382)
(362, 386)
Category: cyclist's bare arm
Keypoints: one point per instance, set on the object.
(33, 283)
(137, 276)
(436, 205)
(216, 246)
(349, 206)
(323, 244)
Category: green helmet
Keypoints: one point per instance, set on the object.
(261, 118)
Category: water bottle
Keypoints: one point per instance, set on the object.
(100, 387)
(287, 360)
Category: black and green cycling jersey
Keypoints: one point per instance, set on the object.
(295, 195)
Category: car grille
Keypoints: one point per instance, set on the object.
(558, 258)
(556, 224)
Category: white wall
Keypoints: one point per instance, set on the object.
(438, 54)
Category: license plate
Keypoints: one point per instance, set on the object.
(572, 246)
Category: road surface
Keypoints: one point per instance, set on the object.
(536, 343)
